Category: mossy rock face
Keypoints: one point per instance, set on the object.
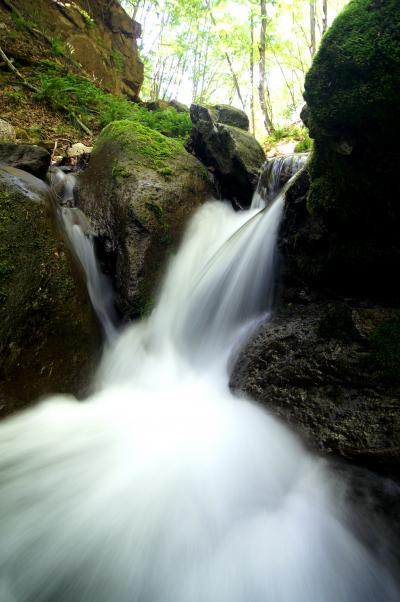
(49, 340)
(139, 190)
(353, 113)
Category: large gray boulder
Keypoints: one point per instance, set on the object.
(138, 192)
(221, 141)
(49, 338)
(28, 157)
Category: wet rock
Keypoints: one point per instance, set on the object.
(28, 157)
(7, 132)
(139, 191)
(311, 367)
(49, 338)
(227, 148)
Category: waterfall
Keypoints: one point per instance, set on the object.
(276, 172)
(77, 230)
(165, 487)
(98, 285)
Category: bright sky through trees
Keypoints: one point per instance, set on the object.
(250, 53)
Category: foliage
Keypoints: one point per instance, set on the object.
(385, 348)
(57, 47)
(21, 22)
(99, 108)
(293, 132)
(194, 51)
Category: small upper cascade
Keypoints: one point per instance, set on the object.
(77, 230)
(98, 285)
(275, 174)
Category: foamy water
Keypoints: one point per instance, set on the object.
(165, 487)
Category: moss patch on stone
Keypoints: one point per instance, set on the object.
(143, 145)
(353, 115)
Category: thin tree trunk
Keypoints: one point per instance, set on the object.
(313, 45)
(324, 15)
(252, 73)
(228, 59)
(261, 67)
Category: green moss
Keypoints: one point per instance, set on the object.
(353, 115)
(141, 145)
(156, 210)
(385, 348)
(120, 171)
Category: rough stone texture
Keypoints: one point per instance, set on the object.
(220, 114)
(49, 339)
(7, 132)
(29, 157)
(353, 113)
(139, 190)
(102, 35)
(229, 151)
(311, 366)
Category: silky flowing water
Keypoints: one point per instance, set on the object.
(164, 486)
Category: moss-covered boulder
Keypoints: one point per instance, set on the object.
(353, 113)
(139, 190)
(49, 340)
(221, 141)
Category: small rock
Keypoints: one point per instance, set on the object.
(78, 149)
(7, 132)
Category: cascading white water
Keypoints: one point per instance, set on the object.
(77, 230)
(276, 172)
(164, 487)
(98, 286)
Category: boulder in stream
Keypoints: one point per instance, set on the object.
(138, 192)
(220, 139)
(49, 338)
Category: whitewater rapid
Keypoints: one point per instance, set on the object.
(164, 486)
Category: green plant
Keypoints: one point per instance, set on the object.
(21, 22)
(61, 89)
(118, 59)
(57, 47)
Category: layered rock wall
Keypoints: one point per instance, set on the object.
(98, 34)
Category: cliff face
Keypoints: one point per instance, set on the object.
(97, 34)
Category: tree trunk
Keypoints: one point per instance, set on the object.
(313, 45)
(228, 60)
(261, 67)
(324, 15)
(252, 73)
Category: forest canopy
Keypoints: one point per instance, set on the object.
(253, 54)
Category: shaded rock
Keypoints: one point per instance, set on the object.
(179, 106)
(28, 157)
(139, 190)
(49, 339)
(310, 366)
(234, 155)
(221, 114)
(7, 132)
(353, 114)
